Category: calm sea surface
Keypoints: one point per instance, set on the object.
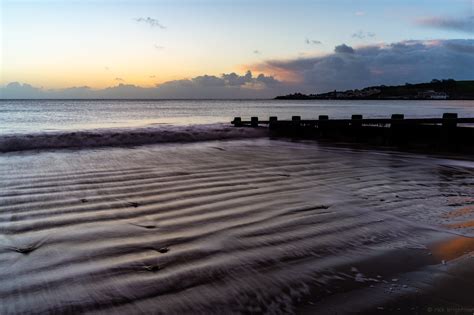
(27, 116)
(254, 225)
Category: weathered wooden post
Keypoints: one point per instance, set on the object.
(296, 121)
(396, 119)
(254, 121)
(272, 122)
(397, 134)
(449, 120)
(237, 122)
(449, 136)
(356, 120)
(323, 121)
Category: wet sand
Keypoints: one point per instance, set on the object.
(232, 226)
(436, 279)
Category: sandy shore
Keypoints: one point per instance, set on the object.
(436, 279)
(234, 226)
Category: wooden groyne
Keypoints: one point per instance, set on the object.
(448, 133)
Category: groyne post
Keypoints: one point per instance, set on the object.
(237, 122)
(323, 122)
(254, 121)
(449, 136)
(272, 120)
(296, 120)
(396, 133)
(449, 120)
(398, 117)
(356, 121)
(396, 120)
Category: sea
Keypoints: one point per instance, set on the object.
(112, 122)
(163, 207)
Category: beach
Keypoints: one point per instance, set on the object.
(244, 225)
(236, 157)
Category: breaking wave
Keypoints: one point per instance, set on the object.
(124, 137)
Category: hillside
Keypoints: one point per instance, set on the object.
(436, 89)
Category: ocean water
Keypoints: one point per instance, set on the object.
(30, 116)
(53, 124)
(253, 225)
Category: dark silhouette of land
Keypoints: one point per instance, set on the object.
(434, 90)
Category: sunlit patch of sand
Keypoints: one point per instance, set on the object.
(468, 210)
(461, 225)
(452, 248)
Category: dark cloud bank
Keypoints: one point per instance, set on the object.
(408, 61)
(465, 24)
(229, 85)
(346, 68)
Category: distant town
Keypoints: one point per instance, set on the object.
(435, 90)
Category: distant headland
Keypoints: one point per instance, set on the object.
(435, 90)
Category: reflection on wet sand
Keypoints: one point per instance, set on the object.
(452, 248)
(254, 226)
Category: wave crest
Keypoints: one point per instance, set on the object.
(124, 137)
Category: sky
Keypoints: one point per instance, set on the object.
(228, 48)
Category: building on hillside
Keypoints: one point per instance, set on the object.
(432, 95)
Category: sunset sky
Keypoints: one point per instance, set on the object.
(177, 48)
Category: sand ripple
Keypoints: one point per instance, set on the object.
(239, 226)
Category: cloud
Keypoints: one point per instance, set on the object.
(362, 35)
(159, 47)
(230, 85)
(359, 13)
(16, 90)
(460, 47)
(465, 24)
(312, 41)
(396, 63)
(151, 22)
(70, 93)
(118, 79)
(19, 90)
(344, 49)
(346, 68)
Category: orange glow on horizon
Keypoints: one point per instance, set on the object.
(278, 73)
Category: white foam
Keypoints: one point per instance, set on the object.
(125, 137)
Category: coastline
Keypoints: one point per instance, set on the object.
(434, 91)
